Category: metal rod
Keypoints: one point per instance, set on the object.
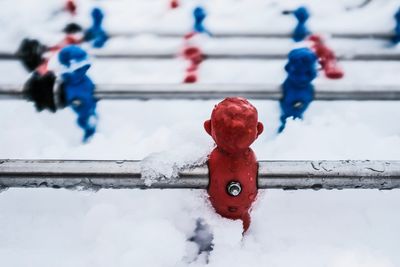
(389, 55)
(288, 175)
(325, 92)
(261, 35)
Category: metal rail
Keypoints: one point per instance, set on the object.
(288, 175)
(389, 55)
(260, 35)
(325, 92)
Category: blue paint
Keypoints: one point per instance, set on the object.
(298, 92)
(200, 14)
(396, 37)
(96, 34)
(79, 88)
(301, 31)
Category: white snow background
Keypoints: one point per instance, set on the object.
(47, 228)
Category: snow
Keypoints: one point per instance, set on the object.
(45, 227)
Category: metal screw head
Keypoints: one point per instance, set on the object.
(298, 105)
(234, 188)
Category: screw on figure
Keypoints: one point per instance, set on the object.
(326, 57)
(232, 164)
(396, 37)
(298, 92)
(78, 88)
(96, 34)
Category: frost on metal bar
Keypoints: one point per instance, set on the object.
(288, 175)
(327, 92)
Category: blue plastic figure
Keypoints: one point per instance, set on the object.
(298, 92)
(199, 15)
(396, 38)
(96, 34)
(301, 31)
(79, 88)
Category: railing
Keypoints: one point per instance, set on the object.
(288, 175)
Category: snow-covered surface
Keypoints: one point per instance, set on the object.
(46, 228)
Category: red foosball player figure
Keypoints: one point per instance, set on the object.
(326, 56)
(70, 7)
(174, 4)
(194, 55)
(233, 166)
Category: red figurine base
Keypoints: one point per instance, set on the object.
(232, 164)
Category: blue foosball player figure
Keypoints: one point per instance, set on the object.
(96, 34)
(78, 88)
(301, 31)
(396, 38)
(298, 92)
(302, 15)
(200, 14)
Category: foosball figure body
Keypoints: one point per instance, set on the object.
(298, 92)
(301, 31)
(195, 56)
(232, 164)
(326, 57)
(96, 34)
(78, 88)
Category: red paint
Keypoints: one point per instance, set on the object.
(234, 127)
(189, 35)
(70, 7)
(69, 39)
(195, 56)
(174, 4)
(43, 68)
(327, 57)
(190, 78)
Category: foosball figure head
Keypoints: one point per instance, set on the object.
(301, 14)
(199, 14)
(234, 125)
(75, 59)
(301, 66)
